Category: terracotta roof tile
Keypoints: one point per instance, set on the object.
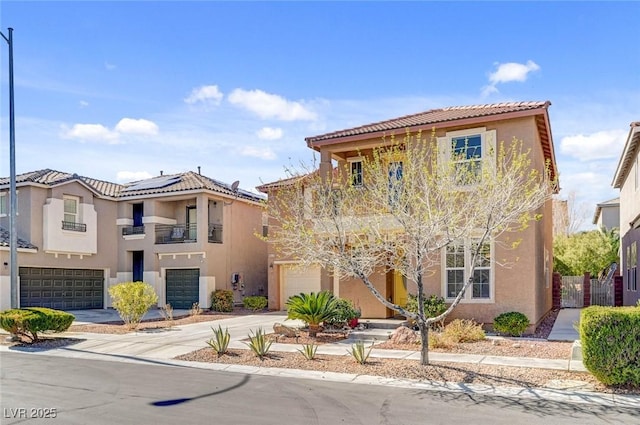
(433, 116)
(5, 239)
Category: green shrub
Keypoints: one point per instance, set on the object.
(359, 353)
(222, 300)
(344, 311)
(313, 309)
(255, 303)
(610, 338)
(512, 323)
(464, 330)
(220, 340)
(29, 321)
(433, 306)
(132, 300)
(259, 343)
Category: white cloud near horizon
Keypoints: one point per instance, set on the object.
(600, 145)
(137, 126)
(205, 94)
(132, 176)
(269, 133)
(84, 104)
(267, 105)
(92, 133)
(262, 153)
(109, 66)
(509, 72)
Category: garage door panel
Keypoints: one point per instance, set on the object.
(63, 289)
(297, 280)
(182, 287)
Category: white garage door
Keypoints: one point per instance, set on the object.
(299, 279)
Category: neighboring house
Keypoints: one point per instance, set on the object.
(607, 215)
(185, 234)
(627, 179)
(524, 287)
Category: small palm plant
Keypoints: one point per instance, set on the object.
(309, 351)
(259, 343)
(220, 340)
(359, 353)
(313, 308)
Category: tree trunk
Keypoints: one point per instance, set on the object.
(424, 338)
(313, 330)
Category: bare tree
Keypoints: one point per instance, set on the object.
(419, 198)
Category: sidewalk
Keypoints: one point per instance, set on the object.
(563, 328)
(162, 346)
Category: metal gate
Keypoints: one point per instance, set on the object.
(602, 288)
(571, 292)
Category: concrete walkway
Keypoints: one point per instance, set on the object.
(564, 328)
(161, 346)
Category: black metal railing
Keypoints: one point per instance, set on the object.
(132, 230)
(215, 233)
(176, 233)
(73, 226)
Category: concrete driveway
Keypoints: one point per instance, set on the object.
(111, 315)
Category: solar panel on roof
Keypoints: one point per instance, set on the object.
(154, 183)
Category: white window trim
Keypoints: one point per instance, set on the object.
(350, 161)
(8, 203)
(468, 295)
(487, 145)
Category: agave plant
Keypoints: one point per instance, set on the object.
(220, 341)
(313, 309)
(258, 343)
(359, 353)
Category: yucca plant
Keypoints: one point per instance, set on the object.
(220, 340)
(259, 343)
(309, 351)
(359, 352)
(313, 309)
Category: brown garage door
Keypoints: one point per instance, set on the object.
(183, 287)
(62, 289)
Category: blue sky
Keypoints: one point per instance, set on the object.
(122, 90)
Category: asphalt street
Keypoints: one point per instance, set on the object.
(46, 389)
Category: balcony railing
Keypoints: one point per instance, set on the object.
(74, 227)
(176, 233)
(132, 230)
(215, 233)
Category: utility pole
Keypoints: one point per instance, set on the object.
(13, 232)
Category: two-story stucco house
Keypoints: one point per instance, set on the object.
(627, 179)
(525, 286)
(185, 234)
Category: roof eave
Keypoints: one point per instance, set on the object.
(624, 164)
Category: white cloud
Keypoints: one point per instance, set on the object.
(92, 133)
(84, 103)
(132, 176)
(267, 105)
(269, 133)
(508, 72)
(205, 94)
(139, 126)
(109, 66)
(600, 145)
(262, 153)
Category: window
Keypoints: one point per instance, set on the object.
(457, 257)
(4, 204)
(465, 151)
(632, 267)
(395, 181)
(355, 168)
(71, 209)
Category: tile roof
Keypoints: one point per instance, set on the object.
(433, 116)
(181, 182)
(5, 239)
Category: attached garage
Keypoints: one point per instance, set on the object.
(61, 289)
(297, 279)
(183, 287)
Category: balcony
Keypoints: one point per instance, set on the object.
(132, 230)
(176, 233)
(73, 226)
(215, 233)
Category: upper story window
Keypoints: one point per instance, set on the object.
(355, 172)
(71, 209)
(465, 151)
(4, 204)
(395, 181)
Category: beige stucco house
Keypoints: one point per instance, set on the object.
(185, 234)
(627, 179)
(525, 286)
(607, 215)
